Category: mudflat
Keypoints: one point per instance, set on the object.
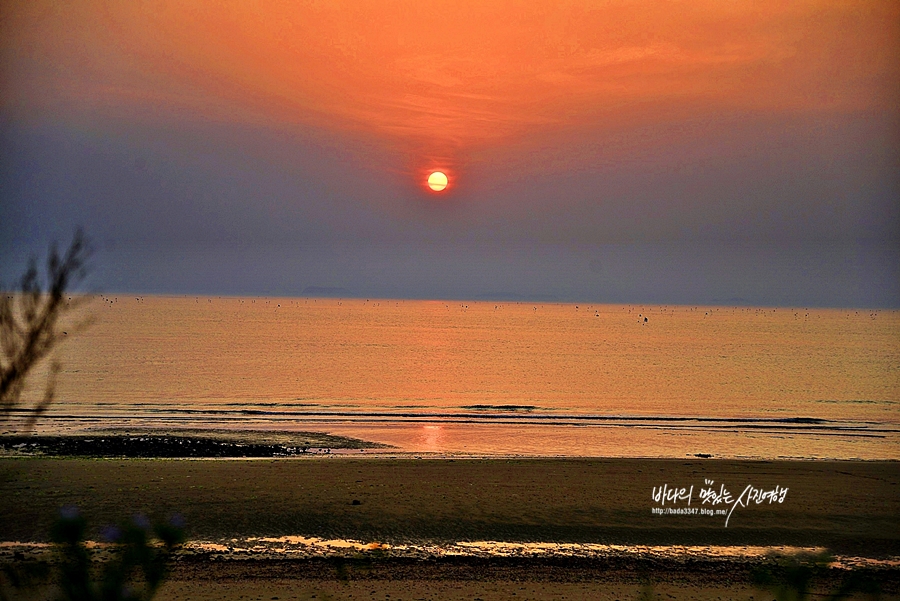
(849, 507)
(242, 515)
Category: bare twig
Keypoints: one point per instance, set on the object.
(29, 323)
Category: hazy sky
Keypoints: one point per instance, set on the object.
(601, 151)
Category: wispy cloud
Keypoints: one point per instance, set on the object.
(449, 78)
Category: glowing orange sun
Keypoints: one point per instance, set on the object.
(437, 181)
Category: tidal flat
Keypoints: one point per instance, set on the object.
(419, 528)
(846, 506)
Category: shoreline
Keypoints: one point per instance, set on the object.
(220, 443)
(454, 578)
(298, 549)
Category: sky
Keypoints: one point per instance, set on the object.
(622, 151)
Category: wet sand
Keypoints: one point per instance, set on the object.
(848, 507)
(413, 508)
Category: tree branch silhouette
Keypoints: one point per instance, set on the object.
(29, 323)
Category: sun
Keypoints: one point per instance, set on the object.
(437, 181)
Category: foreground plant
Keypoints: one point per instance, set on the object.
(792, 577)
(29, 323)
(141, 553)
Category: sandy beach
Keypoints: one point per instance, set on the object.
(343, 525)
(846, 506)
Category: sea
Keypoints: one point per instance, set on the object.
(488, 378)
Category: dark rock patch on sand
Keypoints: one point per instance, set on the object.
(179, 443)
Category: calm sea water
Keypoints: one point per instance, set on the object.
(494, 378)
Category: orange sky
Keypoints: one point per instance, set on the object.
(437, 82)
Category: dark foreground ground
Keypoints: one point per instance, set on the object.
(504, 578)
(458, 578)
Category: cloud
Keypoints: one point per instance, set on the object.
(458, 75)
